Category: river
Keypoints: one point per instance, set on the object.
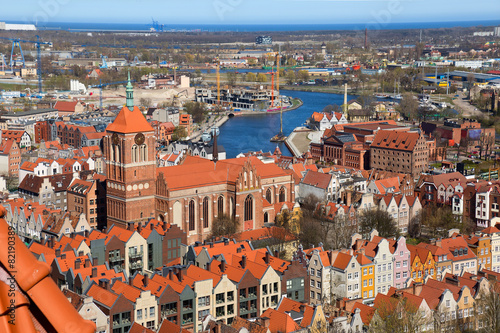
(253, 132)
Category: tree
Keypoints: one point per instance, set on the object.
(261, 77)
(250, 77)
(489, 306)
(196, 110)
(409, 106)
(179, 133)
(224, 226)
(397, 314)
(283, 219)
(232, 78)
(303, 75)
(380, 220)
(438, 220)
(146, 102)
(290, 77)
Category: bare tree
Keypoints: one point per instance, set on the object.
(489, 309)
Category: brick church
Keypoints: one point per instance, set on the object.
(190, 195)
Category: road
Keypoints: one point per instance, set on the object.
(462, 104)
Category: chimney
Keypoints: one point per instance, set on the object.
(266, 258)
(453, 280)
(105, 284)
(44, 241)
(72, 235)
(94, 273)
(63, 256)
(130, 226)
(226, 241)
(209, 265)
(223, 265)
(265, 321)
(51, 242)
(179, 274)
(211, 244)
(302, 308)
(139, 227)
(151, 225)
(244, 262)
(146, 280)
(87, 262)
(95, 261)
(131, 280)
(86, 233)
(414, 288)
(77, 264)
(164, 225)
(438, 242)
(80, 253)
(276, 253)
(238, 250)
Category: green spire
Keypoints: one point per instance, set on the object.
(130, 93)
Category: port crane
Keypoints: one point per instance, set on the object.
(102, 85)
(38, 43)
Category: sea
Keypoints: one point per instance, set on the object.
(82, 26)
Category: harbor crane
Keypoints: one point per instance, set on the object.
(102, 85)
(38, 43)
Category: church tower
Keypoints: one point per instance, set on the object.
(129, 150)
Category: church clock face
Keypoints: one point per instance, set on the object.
(139, 139)
(115, 138)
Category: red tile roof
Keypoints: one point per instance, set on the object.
(130, 121)
(66, 106)
(280, 322)
(401, 140)
(317, 179)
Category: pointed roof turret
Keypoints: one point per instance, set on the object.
(130, 94)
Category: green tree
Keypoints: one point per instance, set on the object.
(303, 75)
(261, 77)
(197, 110)
(380, 220)
(290, 77)
(224, 226)
(179, 133)
(250, 77)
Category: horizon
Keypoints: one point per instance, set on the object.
(239, 12)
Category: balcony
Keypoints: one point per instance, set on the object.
(187, 321)
(166, 313)
(134, 255)
(230, 299)
(116, 258)
(136, 265)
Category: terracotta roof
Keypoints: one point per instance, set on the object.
(75, 299)
(131, 293)
(129, 121)
(490, 230)
(66, 106)
(366, 312)
(317, 179)
(136, 328)
(40, 305)
(102, 296)
(458, 244)
(401, 140)
(288, 305)
(169, 327)
(280, 322)
(239, 323)
(342, 260)
(363, 260)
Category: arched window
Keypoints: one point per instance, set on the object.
(266, 217)
(282, 194)
(117, 153)
(248, 208)
(269, 195)
(220, 206)
(135, 154)
(144, 153)
(191, 215)
(205, 212)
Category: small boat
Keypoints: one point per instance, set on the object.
(278, 138)
(398, 96)
(381, 95)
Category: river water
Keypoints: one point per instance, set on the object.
(253, 132)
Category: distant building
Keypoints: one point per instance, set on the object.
(263, 40)
(403, 152)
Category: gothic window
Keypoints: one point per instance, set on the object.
(117, 153)
(144, 153)
(248, 208)
(191, 215)
(205, 212)
(266, 217)
(220, 206)
(135, 154)
(282, 194)
(269, 195)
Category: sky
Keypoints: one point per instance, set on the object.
(249, 11)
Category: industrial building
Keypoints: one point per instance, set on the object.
(11, 26)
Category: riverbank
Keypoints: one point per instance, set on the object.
(218, 123)
(296, 103)
(320, 89)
